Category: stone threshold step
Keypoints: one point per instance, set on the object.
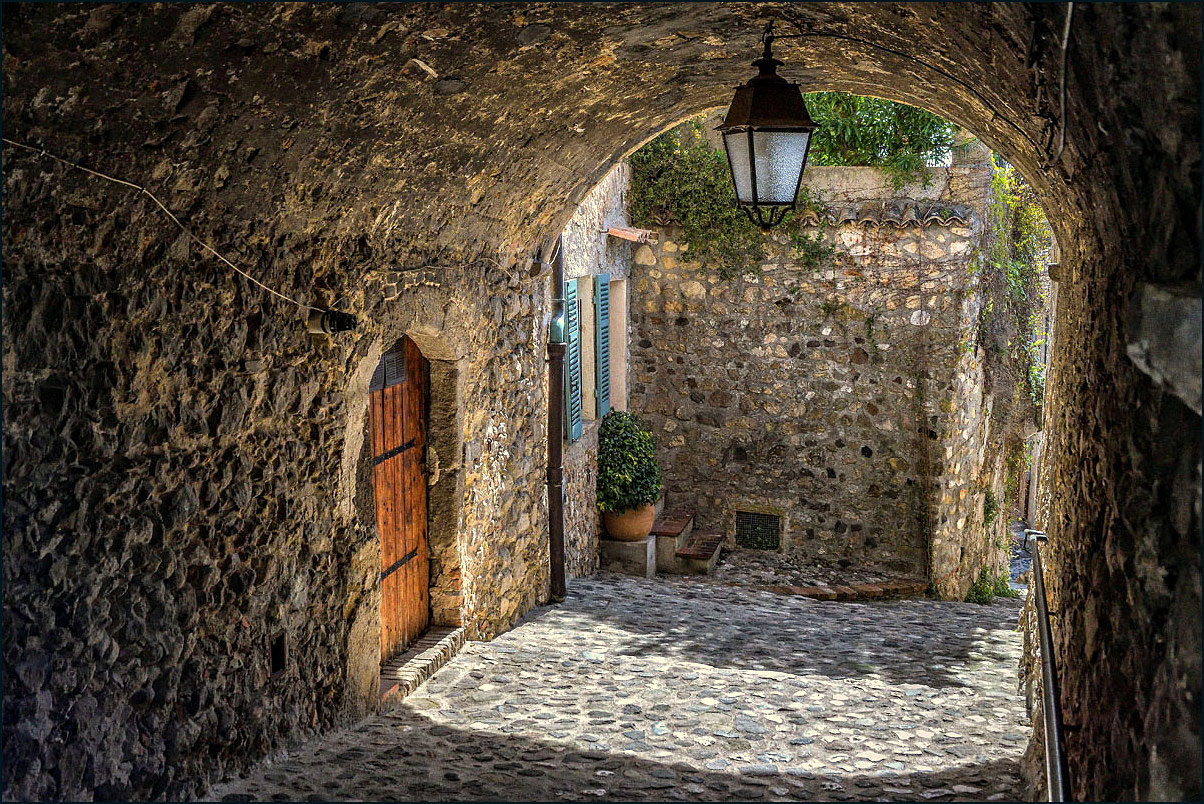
(860, 591)
(408, 670)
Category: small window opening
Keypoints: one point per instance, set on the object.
(279, 654)
(758, 531)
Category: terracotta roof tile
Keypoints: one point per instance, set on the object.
(898, 213)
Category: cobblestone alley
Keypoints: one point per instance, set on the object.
(691, 690)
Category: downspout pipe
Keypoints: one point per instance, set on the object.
(556, 351)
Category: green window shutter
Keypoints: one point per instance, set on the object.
(572, 362)
(602, 343)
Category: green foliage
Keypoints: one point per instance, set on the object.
(859, 130)
(1012, 321)
(870, 320)
(985, 588)
(990, 508)
(810, 250)
(683, 180)
(829, 308)
(1003, 588)
(628, 475)
(679, 178)
(981, 589)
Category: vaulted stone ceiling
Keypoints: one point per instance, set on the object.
(464, 125)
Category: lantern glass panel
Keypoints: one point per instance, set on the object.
(736, 144)
(779, 163)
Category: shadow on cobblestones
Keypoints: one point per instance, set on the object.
(408, 757)
(660, 690)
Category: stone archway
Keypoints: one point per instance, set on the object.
(414, 155)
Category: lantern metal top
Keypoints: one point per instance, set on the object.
(767, 100)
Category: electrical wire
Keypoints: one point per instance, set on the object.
(1065, 66)
(166, 211)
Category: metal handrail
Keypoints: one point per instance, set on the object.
(1057, 779)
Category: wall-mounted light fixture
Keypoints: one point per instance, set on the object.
(556, 325)
(767, 134)
(328, 322)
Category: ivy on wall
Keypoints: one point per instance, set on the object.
(1012, 321)
(678, 178)
(1011, 333)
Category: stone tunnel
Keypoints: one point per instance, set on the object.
(183, 464)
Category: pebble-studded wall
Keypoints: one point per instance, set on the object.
(825, 394)
(590, 253)
(179, 477)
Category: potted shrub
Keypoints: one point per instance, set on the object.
(629, 479)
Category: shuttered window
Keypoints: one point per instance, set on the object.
(572, 362)
(602, 343)
(389, 372)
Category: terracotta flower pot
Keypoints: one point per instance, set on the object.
(631, 525)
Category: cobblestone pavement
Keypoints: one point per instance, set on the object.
(771, 568)
(682, 689)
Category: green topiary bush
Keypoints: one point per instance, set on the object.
(628, 475)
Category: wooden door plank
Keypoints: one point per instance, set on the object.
(403, 547)
(381, 494)
(405, 590)
(422, 570)
(388, 539)
(389, 596)
(411, 544)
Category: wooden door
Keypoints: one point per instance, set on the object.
(398, 405)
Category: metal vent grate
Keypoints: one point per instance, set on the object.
(758, 531)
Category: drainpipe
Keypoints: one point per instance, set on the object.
(556, 348)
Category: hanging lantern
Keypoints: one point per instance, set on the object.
(766, 134)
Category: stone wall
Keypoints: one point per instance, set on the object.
(589, 252)
(140, 604)
(852, 408)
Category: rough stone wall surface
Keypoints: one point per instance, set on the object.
(582, 523)
(1121, 490)
(961, 541)
(329, 146)
(588, 253)
(832, 408)
(961, 466)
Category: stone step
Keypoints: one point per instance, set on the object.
(672, 531)
(860, 591)
(407, 671)
(630, 558)
(673, 523)
(701, 553)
